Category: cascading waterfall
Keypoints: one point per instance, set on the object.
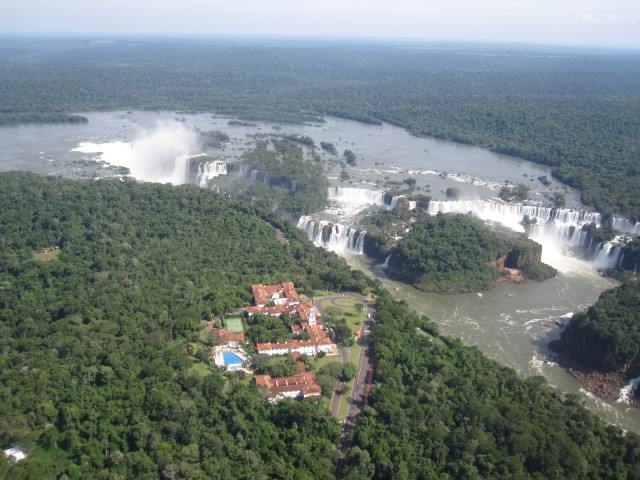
(512, 214)
(627, 391)
(254, 175)
(180, 167)
(266, 179)
(553, 228)
(626, 226)
(333, 236)
(607, 255)
(360, 196)
(294, 185)
(209, 170)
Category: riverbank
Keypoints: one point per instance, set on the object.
(605, 385)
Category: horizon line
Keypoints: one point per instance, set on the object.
(316, 38)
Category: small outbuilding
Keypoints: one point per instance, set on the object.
(15, 454)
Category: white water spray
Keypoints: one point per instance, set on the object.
(557, 230)
(360, 197)
(627, 391)
(332, 236)
(626, 226)
(157, 155)
(209, 170)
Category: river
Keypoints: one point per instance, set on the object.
(511, 324)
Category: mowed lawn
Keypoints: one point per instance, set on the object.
(355, 321)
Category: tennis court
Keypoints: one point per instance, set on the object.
(234, 324)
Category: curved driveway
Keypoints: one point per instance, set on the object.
(356, 396)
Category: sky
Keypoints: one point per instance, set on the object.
(600, 23)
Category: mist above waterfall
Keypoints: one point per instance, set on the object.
(159, 154)
(350, 202)
(558, 230)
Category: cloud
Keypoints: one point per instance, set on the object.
(608, 19)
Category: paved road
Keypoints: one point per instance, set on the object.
(337, 397)
(357, 394)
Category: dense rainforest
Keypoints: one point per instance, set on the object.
(283, 160)
(449, 253)
(575, 110)
(441, 410)
(102, 285)
(277, 174)
(606, 336)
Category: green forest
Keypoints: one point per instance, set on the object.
(286, 181)
(575, 110)
(441, 410)
(103, 285)
(606, 336)
(95, 379)
(450, 253)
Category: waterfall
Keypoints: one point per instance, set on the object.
(554, 228)
(360, 242)
(385, 265)
(607, 255)
(180, 168)
(265, 180)
(413, 204)
(294, 185)
(627, 390)
(209, 170)
(512, 214)
(360, 196)
(626, 226)
(254, 174)
(332, 236)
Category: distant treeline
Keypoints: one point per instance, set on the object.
(576, 111)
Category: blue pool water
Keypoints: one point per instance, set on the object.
(231, 358)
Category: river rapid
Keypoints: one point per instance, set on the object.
(511, 324)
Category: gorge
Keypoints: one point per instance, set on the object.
(514, 330)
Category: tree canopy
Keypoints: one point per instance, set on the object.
(439, 409)
(448, 253)
(575, 110)
(103, 283)
(607, 335)
(95, 378)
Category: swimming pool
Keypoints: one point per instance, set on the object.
(231, 358)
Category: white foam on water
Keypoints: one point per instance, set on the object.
(159, 154)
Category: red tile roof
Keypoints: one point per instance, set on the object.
(304, 383)
(262, 294)
(225, 337)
